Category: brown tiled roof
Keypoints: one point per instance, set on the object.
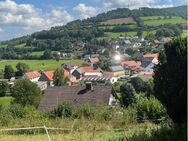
(85, 69)
(131, 64)
(94, 60)
(49, 75)
(75, 94)
(32, 75)
(154, 55)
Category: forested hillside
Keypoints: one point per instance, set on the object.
(92, 32)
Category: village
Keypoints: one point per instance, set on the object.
(90, 76)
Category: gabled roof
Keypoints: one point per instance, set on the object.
(82, 70)
(94, 60)
(32, 75)
(131, 63)
(49, 75)
(151, 55)
(75, 94)
(116, 68)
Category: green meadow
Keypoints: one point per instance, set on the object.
(38, 64)
(159, 20)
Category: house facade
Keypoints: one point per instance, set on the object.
(47, 76)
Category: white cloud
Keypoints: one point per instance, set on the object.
(85, 11)
(29, 18)
(59, 16)
(1, 30)
(110, 4)
(162, 6)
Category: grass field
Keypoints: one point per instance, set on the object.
(82, 135)
(155, 21)
(117, 34)
(21, 46)
(3, 45)
(38, 64)
(185, 33)
(118, 21)
(132, 34)
(5, 100)
(37, 53)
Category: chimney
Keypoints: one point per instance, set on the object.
(89, 86)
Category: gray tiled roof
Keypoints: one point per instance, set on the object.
(116, 68)
(75, 94)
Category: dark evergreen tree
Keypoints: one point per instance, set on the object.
(170, 79)
(8, 72)
(59, 78)
(127, 94)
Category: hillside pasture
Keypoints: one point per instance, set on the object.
(3, 46)
(131, 34)
(20, 46)
(159, 20)
(38, 64)
(118, 21)
(37, 53)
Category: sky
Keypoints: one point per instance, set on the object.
(23, 17)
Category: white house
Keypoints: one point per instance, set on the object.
(33, 76)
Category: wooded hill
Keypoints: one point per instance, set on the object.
(92, 30)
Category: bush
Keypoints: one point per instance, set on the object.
(149, 109)
(5, 116)
(85, 111)
(3, 88)
(24, 97)
(64, 110)
(138, 84)
(106, 113)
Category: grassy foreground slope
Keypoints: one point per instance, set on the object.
(5, 100)
(38, 64)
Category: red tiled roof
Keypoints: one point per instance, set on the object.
(131, 64)
(87, 69)
(154, 55)
(94, 59)
(32, 74)
(49, 74)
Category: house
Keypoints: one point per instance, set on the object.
(165, 40)
(145, 75)
(42, 85)
(86, 71)
(77, 95)
(149, 61)
(47, 76)
(99, 79)
(68, 68)
(93, 60)
(63, 54)
(137, 45)
(117, 71)
(131, 66)
(33, 76)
